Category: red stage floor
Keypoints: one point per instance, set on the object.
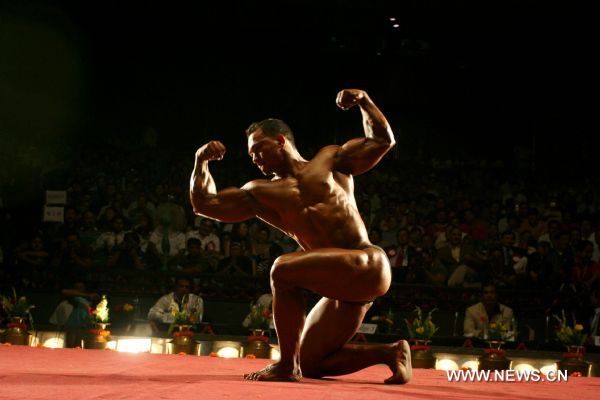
(28, 373)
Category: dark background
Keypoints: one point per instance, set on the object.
(457, 79)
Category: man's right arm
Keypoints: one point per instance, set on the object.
(227, 205)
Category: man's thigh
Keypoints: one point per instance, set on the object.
(351, 275)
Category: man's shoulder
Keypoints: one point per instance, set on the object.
(475, 307)
(256, 184)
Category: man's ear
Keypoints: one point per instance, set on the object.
(281, 139)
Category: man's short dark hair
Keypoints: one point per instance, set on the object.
(271, 127)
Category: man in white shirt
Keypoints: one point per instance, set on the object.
(488, 310)
(109, 240)
(161, 312)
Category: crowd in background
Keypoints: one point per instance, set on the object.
(128, 226)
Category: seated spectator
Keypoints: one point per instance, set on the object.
(73, 258)
(401, 256)
(488, 310)
(88, 232)
(594, 325)
(206, 235)
(73, 313)
(458, 259)
(33, 254)
(543, 267)
(111, 238)
(265, 251)
(585, 271)
(128, 254)
(166, 244)
(196, 261)
(237, 264)
(160, 315)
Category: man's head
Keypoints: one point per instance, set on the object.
(489, 296)
(194, 247)
(508, 239)
(268, 140)
(183, 286)
(455, 237)
(206, 227)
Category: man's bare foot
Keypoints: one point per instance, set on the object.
(401, 364)
(275, 372)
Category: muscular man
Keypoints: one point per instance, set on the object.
(313, 202)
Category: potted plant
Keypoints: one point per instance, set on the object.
(420, 330)
(99, 318)
(184, 318)
(18, 311)
(573, 338)
(259, 322)
(494, 357)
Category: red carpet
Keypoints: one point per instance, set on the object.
(38, 373)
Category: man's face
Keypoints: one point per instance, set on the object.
(489, 296)
(508, 240)
(455, 237)
(117, 225)
(182, 288)
(265, 152)
(205, 227)
(195, 250)
(402, 237)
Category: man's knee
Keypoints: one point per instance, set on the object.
(279, 271)
(310, 369)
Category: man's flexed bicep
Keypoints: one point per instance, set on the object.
(227, 205)
(359, 155)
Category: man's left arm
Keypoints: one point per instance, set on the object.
(359, 155)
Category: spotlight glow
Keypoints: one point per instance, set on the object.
(275, 354)
(396, 25)
(525, 367)
(228, 352)
(142, 345)
(392, 19)
(446, 365)
(54, 343)
(547, 368)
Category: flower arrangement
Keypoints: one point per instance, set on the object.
(260, 317)
(17, 307)
(569, 336)
(421, 328)
(100, 314)
(498, 331)
(384, 321)
(183, 315)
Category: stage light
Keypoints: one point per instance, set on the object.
(228, 352)
(227, 348)
(446, 365)
(396, 25)
(49, 339)
(134, 345)
(524, 367)
(158, 346)
(275, 353)
(547, 368)
(471, 364)
(392, 19)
